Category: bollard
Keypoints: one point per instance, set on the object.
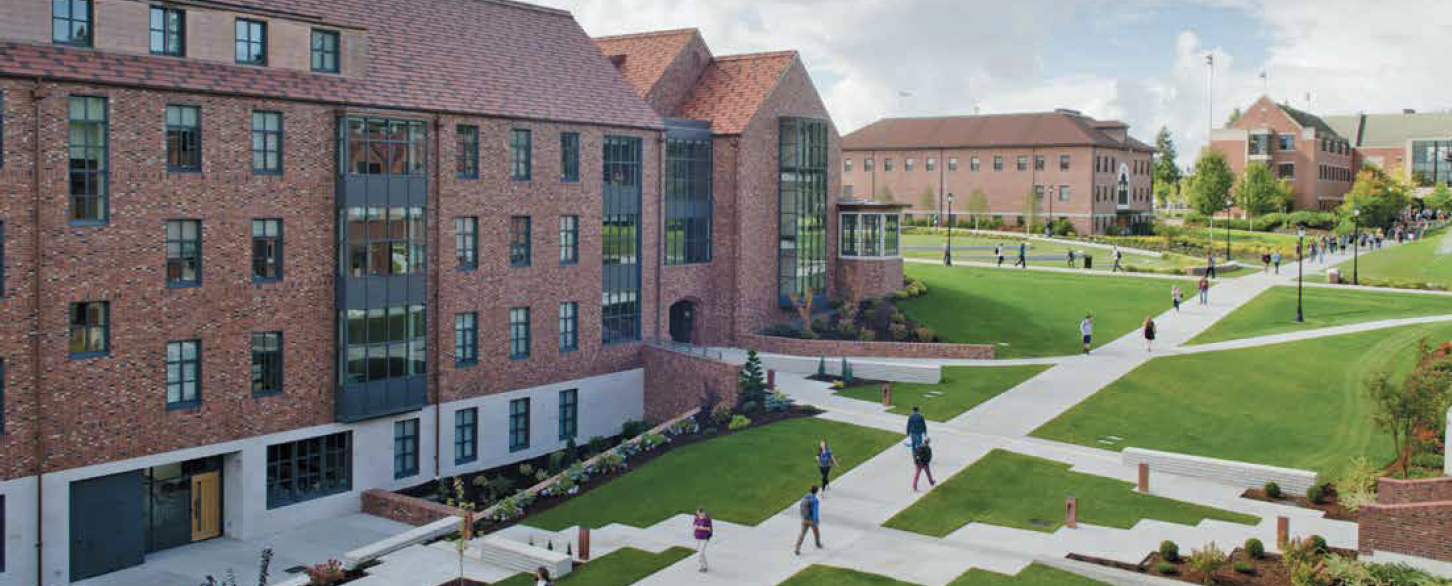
(771, 378)
(886, 394)
(584, 544)
(1144, 477)
(1071, 513)
(1283, 531)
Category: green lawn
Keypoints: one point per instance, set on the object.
(618, 568)
(963, 388)
(1425, 261)
(1298, 404)
(743, 478)
(1103, 260)
(1274, 311)
(1033, 575)
(1035, 313)
(1013, 490)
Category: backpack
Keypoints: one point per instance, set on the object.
(806, 507)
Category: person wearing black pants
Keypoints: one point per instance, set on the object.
(825, 461)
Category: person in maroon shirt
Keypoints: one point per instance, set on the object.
(703, 534)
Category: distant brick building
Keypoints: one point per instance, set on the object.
(1298, 146)
(1417, 144)
(1090, 172)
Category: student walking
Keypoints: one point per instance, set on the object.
(1265, 260)
(1149, 333)
(542, 577)
(811, 511)
(825, 461)
(1176, 296)
(1022, 255)
(703, 531)
(1276, 260)
(1086, 329)
(998, 252)
(1204, 290)
(1117, 256)
(1210, 269)
(917, 428)
(922, 458)
(1071, 258)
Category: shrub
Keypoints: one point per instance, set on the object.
(846, 330)
(325, 574)
(721, 414)
(1166, 568)
(809, 335)
(1254, 548)
(925, 334)
(541, 475)
(1316, 494)
(1169, 551)
(738, 422)
(749, 407)
(526, 470)
(1318, 545)
(1206, 560)
(598, 445)
(901, 294)
(866, 335)
(632, 428)
(557, 460)
(1272, 490)
(899, 332)
(1244, 568)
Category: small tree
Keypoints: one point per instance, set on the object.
(977, 205)
(1166, 170)
(927, 200)
(1380, 197)
(803, 304)
(885, 194)
(1416, 404)
(1440, 198)
(1030, 210)
(1259, 192)
(1206, 560)
(751, 383)
(1211, 183)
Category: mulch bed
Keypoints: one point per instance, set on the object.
(1267, 571)
(1331, 506)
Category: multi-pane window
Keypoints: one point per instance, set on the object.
(466, 435)
(1431, 162)
(952, 163)
(570, 156)
(1022, 163)
(620, 240)
(70, 22)
(519, 332)
(569, 414)
(405, 448)
(997, 162)
(1038, 162)
(168, 31)
(466, 338)
(266, 363)
(466, 152)
(1063, 193)
(802, 224)
(309, 469)
(183, 374)
(520, 153)
(519, 425)
(907, 164)
(867, 164)
(90, 328)
(1063, 162)
(931, 164)
(385, 241)
(569, 240)
(887, 164)
(466, 242)
(1286, 171)
(519, 252)
(385, 342)
(846, 165)
(569, 326)
(183, 253)
(267, 143)
(974, 164)
(377, 146)
(251, 42)
(183, 138)
(325, 51)
(89, 160)
(688, 203)
(266, 250)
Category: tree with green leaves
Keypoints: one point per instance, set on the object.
(751, 384)
(1211, 183)
(977, 205)
(1380, 197)
(1259, 191)
(1030, 209)
(1166, 169)
(885, 194)
(927, 200)
(1440, 198)
(1234, 117)
(1417, 404)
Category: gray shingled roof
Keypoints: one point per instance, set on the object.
(996, 130)
(1392, 130)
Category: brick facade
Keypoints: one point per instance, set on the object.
(869, 278)
(1307, 157)
(836, 348)
(1393, 491)
(676, 382)
(1410, 517)
(405, 509)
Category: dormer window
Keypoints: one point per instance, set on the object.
(251, 42)
(168, 31)
(325, 51)
(70, 22)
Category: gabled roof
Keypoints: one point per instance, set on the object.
(1059, 128)
(481, 57)
(1393, 130)
(1309, 120)
(733, 88)
(646, 56)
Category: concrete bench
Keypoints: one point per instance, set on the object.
(520, 557)
(417, 535)
(1230, 472)
(884, 371)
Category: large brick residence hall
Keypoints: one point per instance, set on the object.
(259, 256)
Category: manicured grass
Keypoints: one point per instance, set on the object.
(1035, 313)
(619, 568)
(1425, 261)
(1014, 490)
(1298, 404)
(1274, 311)
(743, 478)
(963, 388)
(1033, 575)
(1103, 258)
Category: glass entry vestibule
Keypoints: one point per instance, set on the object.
(182, 503)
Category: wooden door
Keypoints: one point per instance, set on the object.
(206, 505)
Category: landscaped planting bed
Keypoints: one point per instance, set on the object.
(1033, 575)
(870, 320)
(1305, 562)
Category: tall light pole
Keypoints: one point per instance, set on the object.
(1210, 96)
(1228, 203)
(948, 252)
(1300, 270)
(1355, 246)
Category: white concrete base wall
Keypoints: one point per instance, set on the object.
(886, 371)
(1233, 473)
(604, 403)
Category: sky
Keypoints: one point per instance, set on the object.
(1140, 61)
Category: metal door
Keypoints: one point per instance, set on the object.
(108, 527)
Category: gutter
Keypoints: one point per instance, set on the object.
(36, 95)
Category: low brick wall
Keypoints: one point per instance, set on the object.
(676, 382)
(1233, 473)
(840, 348)
(1392, 491)
(868, 278)
(405, 509)
(1410, 517)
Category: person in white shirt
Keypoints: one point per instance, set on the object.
(1086, 328)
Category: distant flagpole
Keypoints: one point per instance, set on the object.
(1265, 83)
(1210, 96)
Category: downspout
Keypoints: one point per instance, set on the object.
(36, 96)
(434, 271)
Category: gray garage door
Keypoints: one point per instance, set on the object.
(108, 532)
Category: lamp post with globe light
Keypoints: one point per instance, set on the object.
(1355, 246)
(948, 251)
(1300, 270)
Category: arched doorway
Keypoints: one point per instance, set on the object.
(683, 321)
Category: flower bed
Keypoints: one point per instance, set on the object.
(1330, 504)
(864, 321)
(1304, 562)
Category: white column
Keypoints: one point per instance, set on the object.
(1447, 455)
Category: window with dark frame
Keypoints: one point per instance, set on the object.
(466, 338)
(267, 143)
(385, 343)
(569, 414)
(952, 163)
(378, 146)
(867, 164)
(907, 164)
(405, 448)
(569, 326)
(519, 245)
(466, 242)
(466, 435)
(802, 178)
(620, 240)
(1063, 162)
(251, 42)
(520, 154)
(168, 31)
(688, 202)
(266, 250)
(1022, 163)
(887, 164)
(519, 333)
(89, 160)
(70, 22)
(466, 152)
(183, 374)
(974, 164)
(569, 240)
(325, 51)
(931, 164)
(519, 424)
(266, 363)
(386, 241)
(846, 165)
(309, 469)
(90, 333)
(997, 162)
(569, 156)
(1038, 162)
(183, 253)
(183, 139)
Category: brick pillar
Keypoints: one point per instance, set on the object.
(584, 549)
(1071, 513)
(886, 394)
(1144, 477)
(1283, 531)
(771, 378)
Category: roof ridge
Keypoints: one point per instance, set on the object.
(759, 55)
(640, 35)
(996, 115)
(528, 6)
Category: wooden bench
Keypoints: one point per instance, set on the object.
(520, 557)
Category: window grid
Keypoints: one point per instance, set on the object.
(569, 240)
(519, 249)
(183, 253)
(183, 374)
(266, 363)
(569, 326)
(466, 338)
(974, 164)
(377, 146)
(466, 435)
(1022, 163)
(251, 42)
(90, 333)
(952, 163)
(518, 425)
(308, 469)
(183, 139)
(688, 203)
(520, 149)
(168, 31)
(466, 242)
(466, 153)
(385, 342)
(267, 143)
(802, 239)
(266, 250)
(569, 414)
(385, 241)
(997, 162)
(325, 51)
(569, 156)
(1063, 162)
(931, 164)
(1038, 162)
(405, 448)
(90, 175)
(519, 332)
(70, 22)
(620, 245)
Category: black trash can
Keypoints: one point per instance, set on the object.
(1088, 262)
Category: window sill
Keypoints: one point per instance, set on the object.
(519, 357)
(468, 461)
(516, 449)
(264, 394)
(89, 223)
(184, 170)
(465, 363)
(184, 285)
(403, 475)
(267, 173)
(186, 406)
(85, 355)
(329, 72)
(265, 280)
(572, 263)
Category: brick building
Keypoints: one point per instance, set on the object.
(1088, 171)
(1417, 144)
(1298, 146)
(261, 256)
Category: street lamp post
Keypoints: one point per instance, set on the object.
(1300, 270)
(1228, 203)
(1355, 246)
(948, 252)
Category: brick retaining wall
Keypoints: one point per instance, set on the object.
(405, 509)
(1392, 491)
(1410, 517)
(676, 382)
(839, 348)
(868, 278)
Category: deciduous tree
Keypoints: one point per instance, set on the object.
(1211, 183)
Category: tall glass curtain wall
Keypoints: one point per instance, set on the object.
(688, 201)
(382, 201)
(1430, 165)
(802, 239)
(620, 248)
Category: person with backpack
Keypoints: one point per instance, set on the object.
(702, 531)
(917, 428)
(825, 461)
(1071, 258)
(1210, 269)
(811, 511)
(922, 458)
(1149, 333)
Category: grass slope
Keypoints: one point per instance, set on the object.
(1035, 313)
(1297, 404)
(1103, 257)
(1014, 490)
(963, 388)
(619, 568)
(743, 478)
(1418, 261)
(1274, 311)
(1033, 575)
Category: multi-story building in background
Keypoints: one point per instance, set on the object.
(260, 256)
(1090, 172)
(1417, 144)
(1299, 147)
